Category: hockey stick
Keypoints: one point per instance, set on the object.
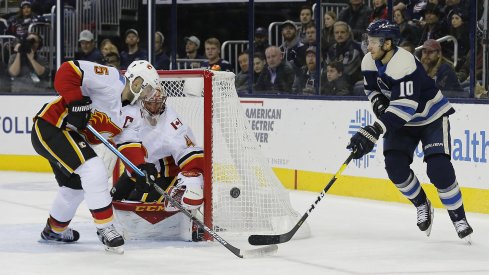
(236, 251)
(282, 238)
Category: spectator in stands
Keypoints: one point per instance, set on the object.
(305, 16)
(4, 79)
(433, 27)
(107, 46)
(304, 83)
(87, 50)
(413, 9)
(259, 63)
(133, 51)
(213, 54)
(440, 69)
(310, 39)
(347, 51)
(28, 69)
(278, 75)
(192, 45)
(19, 24)
(408, 46)
(357, 16)
(292, 48)
(241, 80)
(379, 11)
(408, 32)
(460, 31)
(333, 82)
(261, 40)
(327, 33)
(112, 59)
(162, 61)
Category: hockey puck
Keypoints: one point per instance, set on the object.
(235, 192)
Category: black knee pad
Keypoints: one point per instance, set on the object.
(397, 166)
(440, 170)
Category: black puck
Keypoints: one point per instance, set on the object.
(235, 192)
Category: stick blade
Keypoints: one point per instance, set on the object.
(259, 252)
(265, 239)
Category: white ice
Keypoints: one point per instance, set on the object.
(349, 236)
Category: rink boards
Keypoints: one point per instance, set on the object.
(304, 141)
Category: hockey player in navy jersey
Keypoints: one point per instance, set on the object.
(409, 109)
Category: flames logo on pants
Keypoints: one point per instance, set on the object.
(104, 125)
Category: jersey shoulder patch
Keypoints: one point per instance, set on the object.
(403, 63)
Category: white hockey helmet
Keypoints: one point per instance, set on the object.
(149, 75)
(153, 104)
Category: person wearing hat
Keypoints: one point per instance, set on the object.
(304, 83)
(261, 40)
(433, 26)
(18, 25)
(440, 69)
(87, 50)
(192, 45)
(133, 52)
(293, 49)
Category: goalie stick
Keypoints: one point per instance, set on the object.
(236, 251)
(282, 238)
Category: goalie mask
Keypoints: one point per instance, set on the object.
(153, 105)
(150, 79)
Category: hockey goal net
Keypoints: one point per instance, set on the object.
(242, 193)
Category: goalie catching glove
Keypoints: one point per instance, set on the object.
(363, 141)
(79, 112)
(188, 191)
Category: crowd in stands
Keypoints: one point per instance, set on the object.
(287, 68)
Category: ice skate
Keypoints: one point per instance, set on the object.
(425, 217)
(112, 240)
(67, 236)
(464, 230)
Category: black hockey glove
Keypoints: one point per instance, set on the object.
(79, 112)
(143, 184)
(379, 104)
(363, 141)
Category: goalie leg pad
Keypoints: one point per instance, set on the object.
(188, 190)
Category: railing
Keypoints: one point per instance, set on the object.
(6, 47)
(230, 51)
(446, 39)
(108, 13)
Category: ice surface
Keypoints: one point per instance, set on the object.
(349, 236)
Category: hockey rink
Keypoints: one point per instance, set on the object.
(348, 236)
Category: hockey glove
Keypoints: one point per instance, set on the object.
(143, 184)
(379, 104)
(79, 112)
(364, 140)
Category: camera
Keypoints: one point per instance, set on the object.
(26, 45)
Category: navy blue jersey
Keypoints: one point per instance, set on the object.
(414, 98)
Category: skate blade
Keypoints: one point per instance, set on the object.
(432, 212)
(468, 239)
(116, 250)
